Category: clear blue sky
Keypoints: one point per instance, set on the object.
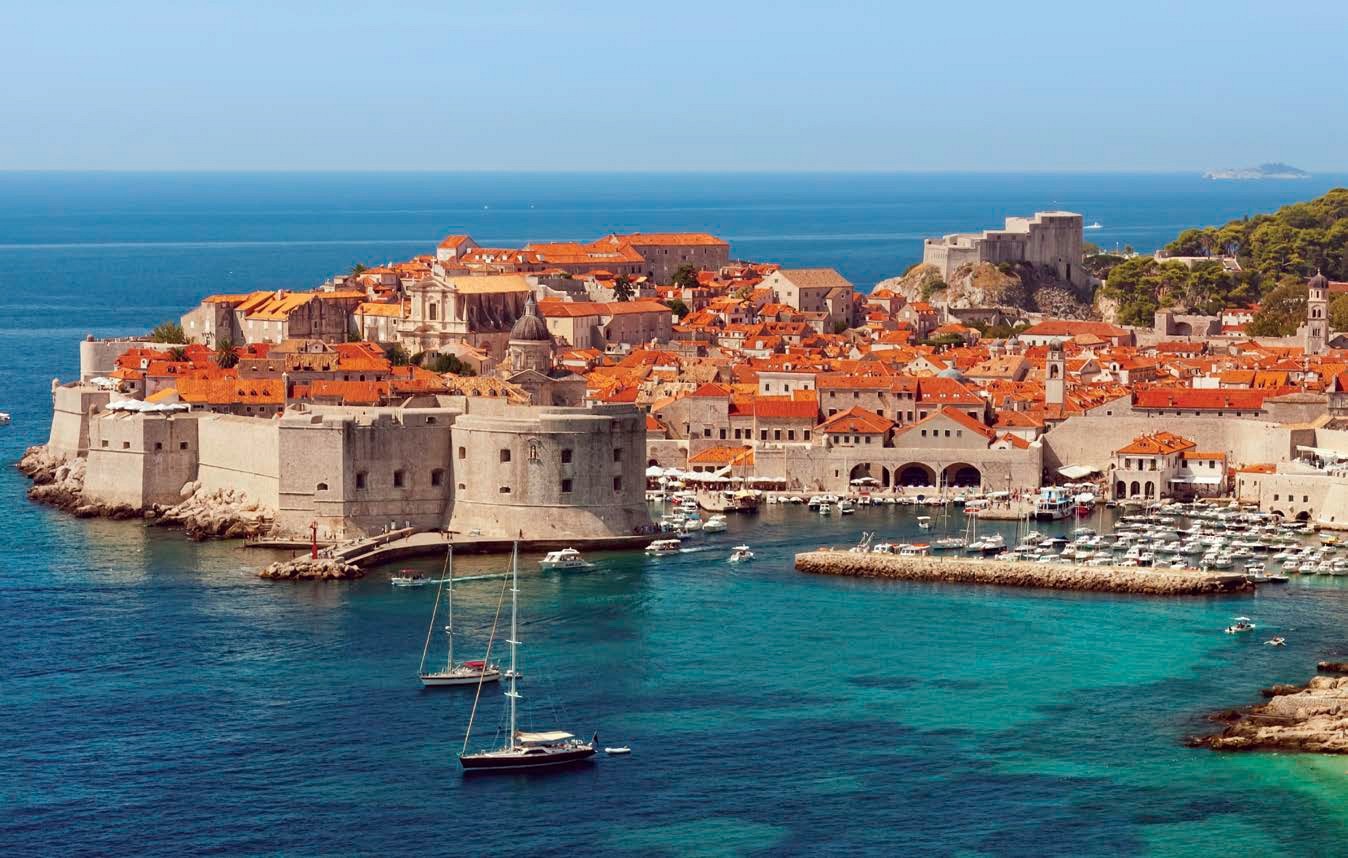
(684, 85)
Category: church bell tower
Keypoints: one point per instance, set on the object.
(1317, 314)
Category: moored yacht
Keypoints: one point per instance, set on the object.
(663, 546)
(567, 558)
(453, 673)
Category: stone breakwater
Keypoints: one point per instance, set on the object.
(959, 570)
(219, 514)
(307, 569)
(1311, 718)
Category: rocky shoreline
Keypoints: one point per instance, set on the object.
(961, 570)
(219, 514)
(1311, 718)
(308, 569)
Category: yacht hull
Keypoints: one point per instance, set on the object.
(513, 761)
(431, 680)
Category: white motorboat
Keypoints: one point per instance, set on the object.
(1278, 641)
(4, 418)
(409, 578)
(715, 524)
(741, 554)
(1095, 225)
(567, 558)
(924, 522)
(846, 508)
(453, 673)
(1242, 624)
(663, 546)
(825, 509)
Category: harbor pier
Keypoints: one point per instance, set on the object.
(1010, 573)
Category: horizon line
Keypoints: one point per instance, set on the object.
(642, 171)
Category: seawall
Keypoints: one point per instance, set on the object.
(959, 570)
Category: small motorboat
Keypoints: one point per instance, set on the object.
(618, 751)
(741, 554)
(567, 558)
(1276, 642)
(846, 508)
(1242, 624)
(924, 522)
(663, 546)
(409, 578)
(4, 418)
(715, 524)
(825, 509)
(1095, 225)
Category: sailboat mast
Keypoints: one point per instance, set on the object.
(514, 634)
(449, 598)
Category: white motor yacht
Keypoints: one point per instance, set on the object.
(663, 546)
(567, 558)
(715, 524)
(741, 554)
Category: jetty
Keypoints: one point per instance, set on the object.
(1010, 573)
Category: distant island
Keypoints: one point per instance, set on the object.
(1263, 171)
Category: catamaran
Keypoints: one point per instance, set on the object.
(461, 673)
(523, 751)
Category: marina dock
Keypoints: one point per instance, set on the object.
(1010, 573)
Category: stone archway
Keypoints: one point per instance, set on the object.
(1135, 489)
(962, 475)
(915, 475)
(1149, 490)
(1303, 516)
(1120, 489)
(885, 476)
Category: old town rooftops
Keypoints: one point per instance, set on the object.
(856, 421)
(1157, 443)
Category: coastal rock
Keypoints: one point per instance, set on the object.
(1006, 573)
(1332, 667)
(1312, 718)
(218, 514)
(1016, 288)
(307, 569)
(56, 481)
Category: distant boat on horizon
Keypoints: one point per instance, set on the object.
(1095, 225)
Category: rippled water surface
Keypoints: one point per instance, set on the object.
(160, 699)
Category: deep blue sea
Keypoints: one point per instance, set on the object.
(159, 699)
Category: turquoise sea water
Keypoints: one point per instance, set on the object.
(160, 699)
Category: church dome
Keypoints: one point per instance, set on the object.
(1319, 281)
(530, 327)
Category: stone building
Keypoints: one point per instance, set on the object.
(1052, 239)
(476, 310)
(1161, 465)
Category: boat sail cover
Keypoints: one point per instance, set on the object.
(549, 736)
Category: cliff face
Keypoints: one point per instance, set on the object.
(1021, 287)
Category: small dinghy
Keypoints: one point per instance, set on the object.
(1276, 642)
(618, 751)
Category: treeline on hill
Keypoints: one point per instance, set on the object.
(1278, 253)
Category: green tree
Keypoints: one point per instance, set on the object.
(1280, 311)
(358, 269)
(225, 356)
(450, 364)
(168, 332)
(397, 355)
(622, 288)
(685, 276)
(679, 308)
(178, 354)
(839, 326)
(1338, 313)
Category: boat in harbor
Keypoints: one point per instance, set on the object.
(453, 673)
(409, 578)
(567, 558)
(617, 751)
(715, 524)
(663, 546)
(846, 507)
(1052, 504)
(1241, 625)
(522, 751)
(741, 554)
(924, 522)
(4, 418)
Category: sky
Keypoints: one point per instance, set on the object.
(688, 85)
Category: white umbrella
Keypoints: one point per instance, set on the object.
(655, 471)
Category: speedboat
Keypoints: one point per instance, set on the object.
(715, 524)
(846, 508)
(567, 558)
(409, 578)
(1095, 225)
(663, 546)
(924, 522)
(1275, 642)
(741, 554)
(1242, 624)
(4, 418)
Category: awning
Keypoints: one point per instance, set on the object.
(655, 471)
(1323, 452)
(1076, 472)
(550, 736)
(1203, 480)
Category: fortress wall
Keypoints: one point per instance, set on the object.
(550, 473)
(239, 453)
(354, 475)
(140, 460)
(1091, 441)
(71, 404)
(816, 469)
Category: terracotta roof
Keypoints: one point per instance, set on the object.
(1194, 398)
(1161, 443)
(856, 421)
(815, 278)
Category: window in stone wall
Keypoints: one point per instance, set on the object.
(566, 456)
(399, 479)
(617, 454)
(462, 486)
(360, 479)
(126, 445)
(438, 477)
(505, 454)
(182, 445)
(321, 487)
(617, 484)
(505, 490)
(566, 486)
(158, 445)
(103, 443)
(533, 451)
(463, 453)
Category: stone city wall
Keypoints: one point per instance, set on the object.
(139, 460)
(239, 453)
(1091, 441)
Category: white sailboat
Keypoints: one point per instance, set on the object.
(523, 751)
(453, 673)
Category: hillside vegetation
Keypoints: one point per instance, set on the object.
(1278, 253)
